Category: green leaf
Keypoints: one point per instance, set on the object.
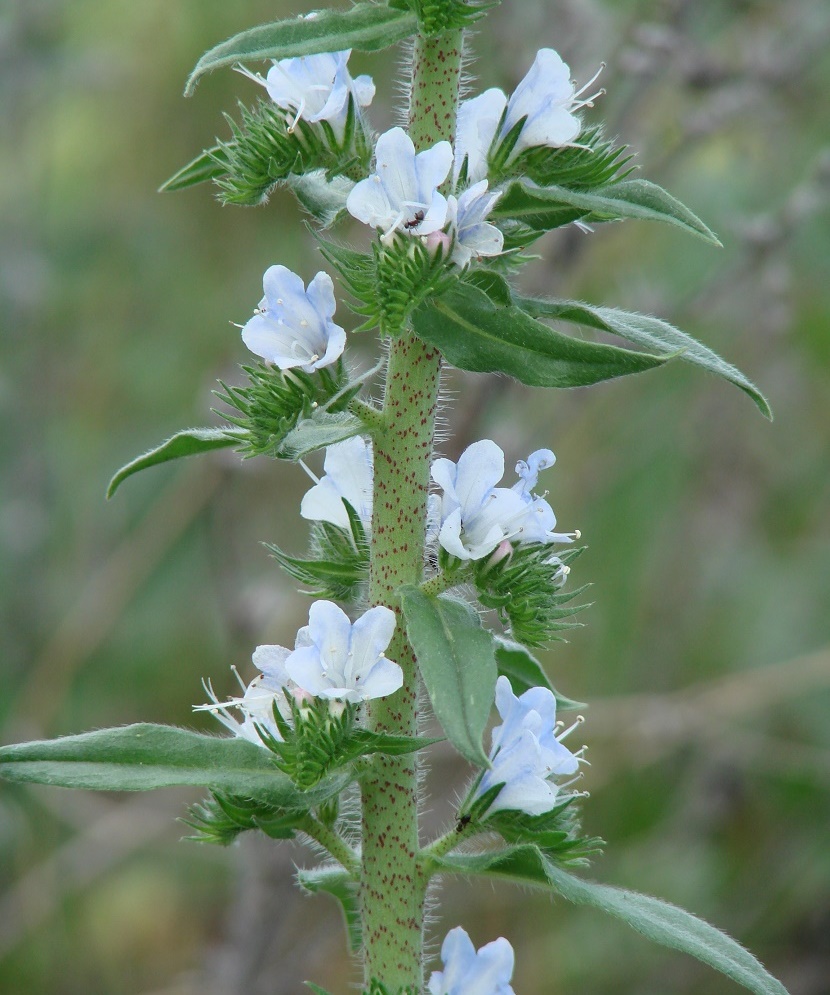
(189, 442)
(659, 921)
(645, 331)
(365, 742)
(338, 883)
(201, 169)
(524, 671)
(145, 756)
(365, 27)
(474, 333)
(542, 208)
(457, 663)
(325, 200)
(321, 430)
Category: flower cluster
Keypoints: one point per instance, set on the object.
(477, 516)
(333, 659)
(403, 196)
(526, 751)
(471, 519)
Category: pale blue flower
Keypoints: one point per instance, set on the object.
(348, 477)
(256, 705)
(402, 194)
(317, 88)
(526, 751)
(547, 99)
(336, 659)
(476, 127)
(292, 327)
(476, 515)
(468, 971)
(539, 520)
(467, 214)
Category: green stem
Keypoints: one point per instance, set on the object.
(393, 887)
(333, 843)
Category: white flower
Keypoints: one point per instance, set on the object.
(256, 706)
(292, 326)
(547, 99)
(526, 750)
(317, 88)
(474, 236)
(402, 194)
(476, 515)
(478, 122)
(348, 477)
(468, 971)
(334, 658)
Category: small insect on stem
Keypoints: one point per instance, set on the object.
(411, 225)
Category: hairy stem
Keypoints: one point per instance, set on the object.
(393, 886)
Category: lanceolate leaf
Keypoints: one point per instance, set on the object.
(204, 167)
(474, 333)
(365, 27)
(542, 208)
(321, 430)
(645, 331)
(190, 442)
(524, 671)
(457, 663)
(338, 883)
(325, 200)
(144, 757)
(659, 921)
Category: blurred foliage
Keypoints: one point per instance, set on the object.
(707, 528)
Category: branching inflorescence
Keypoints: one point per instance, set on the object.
(447, 576)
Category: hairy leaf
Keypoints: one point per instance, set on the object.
(189, 442)
(542, 208)
(457, 663)
(645, 331)
(144, 757)
(364, 27)
(475, 333)
(321, 430)
(659, 921)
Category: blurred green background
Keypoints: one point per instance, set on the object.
(706, 653)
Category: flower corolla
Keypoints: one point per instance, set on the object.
(526, 750)
(478, 121)
(474, 235)
(348, 477)
(292, 327)
(256, 705)
(335, 659)
(317, 88)
(402, 194)
(467, 971)
(476, 515)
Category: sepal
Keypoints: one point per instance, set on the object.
(321, 736)
(288, 414)
(268, 147)
(388, 285)
(525, 589)
(221, 818)
(555, 833)
(437, 16)
(338, 567)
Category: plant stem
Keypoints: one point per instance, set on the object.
(392, 885)
(334, 843)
